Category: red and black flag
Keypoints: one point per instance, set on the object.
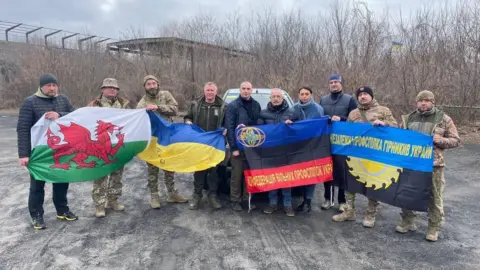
(286, 155)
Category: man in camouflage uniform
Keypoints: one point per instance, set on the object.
(208, 113)
(368, 111)
(430, 120)
(163, 103)
(108, 189)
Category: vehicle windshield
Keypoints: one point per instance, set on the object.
(262, 98)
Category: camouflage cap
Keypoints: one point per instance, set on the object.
(149, 77)
(110, 82)
(426, 95)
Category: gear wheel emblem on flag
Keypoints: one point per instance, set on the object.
(373, 174)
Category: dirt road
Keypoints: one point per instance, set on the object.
(174, 237)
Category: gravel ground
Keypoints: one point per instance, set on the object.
(174, 237)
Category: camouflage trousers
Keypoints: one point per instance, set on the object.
(372, 204)
(108, 187)
(153, 179)
(435, 205)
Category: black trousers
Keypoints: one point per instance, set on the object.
(212, 181)
(328, 195)
(37, 196)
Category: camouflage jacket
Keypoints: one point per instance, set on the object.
(118, 103)
(167, 105)
(431, 123)
(372, 112)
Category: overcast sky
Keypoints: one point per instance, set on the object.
(109, 18)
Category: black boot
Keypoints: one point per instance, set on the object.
(305, 207)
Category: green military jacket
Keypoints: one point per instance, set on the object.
(205, 115)
(118, 103)
(167, 105)
(431, 123)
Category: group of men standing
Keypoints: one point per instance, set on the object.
(107, 190)
(210, 113)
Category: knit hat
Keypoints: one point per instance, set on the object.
(427, 95)
(337, 77)
(47, 78)
(110, 82)
(365, 89)
(149, 77)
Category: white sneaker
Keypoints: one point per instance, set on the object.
(326, 205)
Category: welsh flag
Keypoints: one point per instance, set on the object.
(87, 144)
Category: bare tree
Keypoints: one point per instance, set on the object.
(440, 52)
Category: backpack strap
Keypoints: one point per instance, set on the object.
(364, 116)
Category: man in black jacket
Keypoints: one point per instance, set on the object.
(243, 111)
(46, 101)
(337, 105)
(278, 111)
(208, 113)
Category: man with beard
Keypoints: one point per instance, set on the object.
(46, 101)
(430, 120)
(108, 189)
(278, 111)
(163, 103)
(208, 113)
(368, 111)
(337, 105)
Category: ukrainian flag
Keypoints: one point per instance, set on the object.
(180, 147)
(396, 46)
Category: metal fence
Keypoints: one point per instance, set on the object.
(48, 37)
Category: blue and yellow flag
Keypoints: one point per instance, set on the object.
(396, 46)
(391, 165)
(181, 147)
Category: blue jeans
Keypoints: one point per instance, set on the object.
(308, 192)
(287, 196)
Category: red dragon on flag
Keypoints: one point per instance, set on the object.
(78, 142)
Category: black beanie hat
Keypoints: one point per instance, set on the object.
(365, 89)
(47, 78)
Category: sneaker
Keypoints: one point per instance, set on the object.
(326, 205)
(38, 223)
(195, 201)
(67, 216)
(270, 209)
(289, 211)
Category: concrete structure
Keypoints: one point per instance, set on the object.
(167, 46)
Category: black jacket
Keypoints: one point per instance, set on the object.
(278, 114)
(240, 111)
(32, 109)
